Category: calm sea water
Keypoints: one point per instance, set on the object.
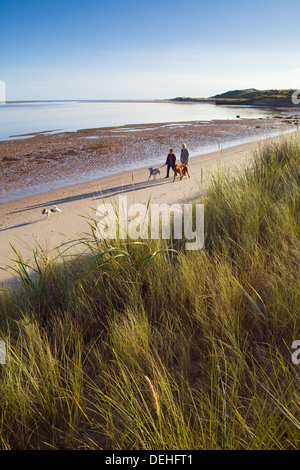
(17, 119)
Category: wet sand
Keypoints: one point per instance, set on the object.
(36, 164)
(23, 225)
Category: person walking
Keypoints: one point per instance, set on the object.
(184, 155)
(170, 162)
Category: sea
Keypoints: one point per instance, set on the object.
(22, 119)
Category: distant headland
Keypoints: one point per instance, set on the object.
(249, 97)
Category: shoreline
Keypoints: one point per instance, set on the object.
(46, 162)
(62, 186)
(218, 101)
(50, 132)
(23, 225)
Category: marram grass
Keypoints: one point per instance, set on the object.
(141, 345)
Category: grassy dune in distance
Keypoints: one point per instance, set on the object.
(143, 345)
(250, 97)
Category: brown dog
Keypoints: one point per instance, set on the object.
(177, 171)
(185, 170)
(181, 170)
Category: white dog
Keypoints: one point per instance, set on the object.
(48, 212)
(153, 172)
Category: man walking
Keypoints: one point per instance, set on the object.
(184, 155)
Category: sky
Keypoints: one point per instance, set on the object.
(137, 49)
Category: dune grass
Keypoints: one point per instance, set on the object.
(142, 345)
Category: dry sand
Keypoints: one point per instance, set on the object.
(23, 225)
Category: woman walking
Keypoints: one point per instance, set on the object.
(170, 162)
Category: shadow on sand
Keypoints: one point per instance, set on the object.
(20, 225)
(97, 195)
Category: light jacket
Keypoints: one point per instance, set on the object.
(184, 156)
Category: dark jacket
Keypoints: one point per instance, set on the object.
(171, 159)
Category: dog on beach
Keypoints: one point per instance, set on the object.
(180, 170)
(48, 212)
(185, 170)
(153, 172)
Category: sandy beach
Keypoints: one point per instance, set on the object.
(40, 163)
(23, 225)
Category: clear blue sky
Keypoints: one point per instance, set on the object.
(137, 49)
